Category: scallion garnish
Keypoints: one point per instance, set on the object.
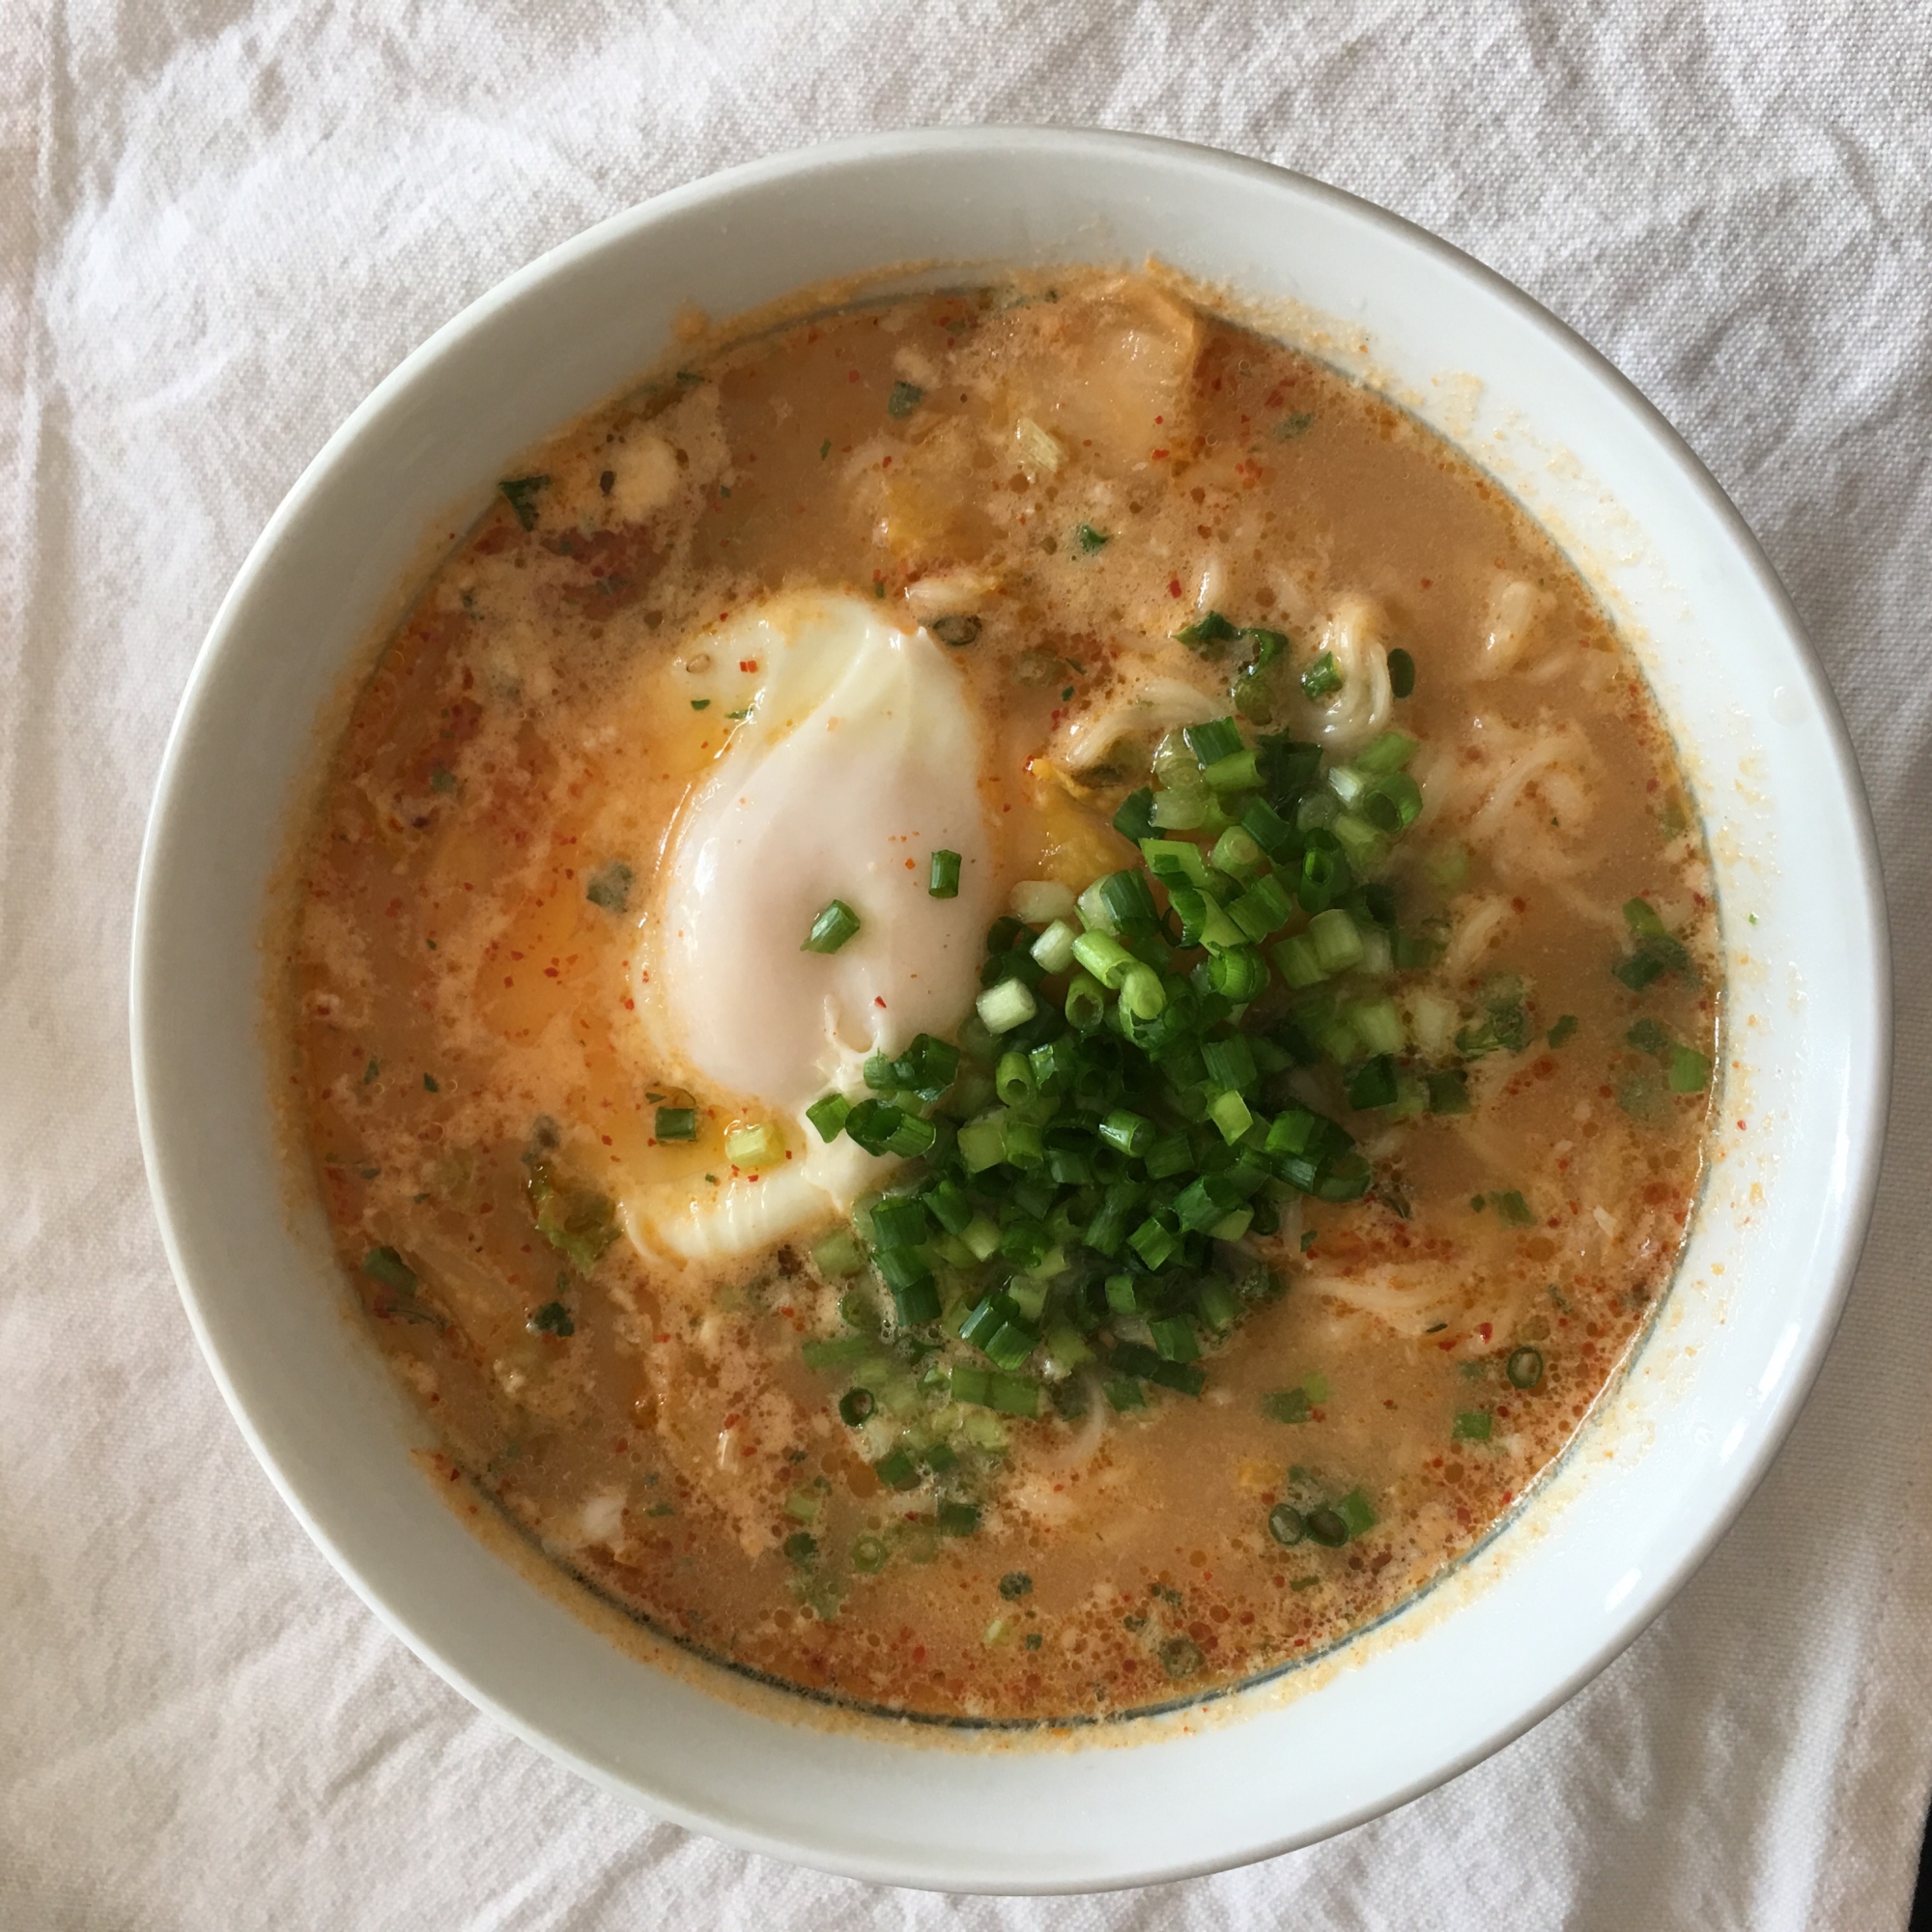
(830, 928)
(1322, 679)
(1110, 1121)
(943, 875)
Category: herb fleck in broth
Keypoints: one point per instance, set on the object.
(1171, 1349)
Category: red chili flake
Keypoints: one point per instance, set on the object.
(1174, 587)
(507, 980)
(1157, 456)
(1160, 419)
(851, 375)
(606, 1139)
(747, 664)
(1484, 1329)
(879, 1001)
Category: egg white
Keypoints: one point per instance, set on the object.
(860, 755)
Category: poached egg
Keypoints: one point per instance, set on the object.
(858, 756)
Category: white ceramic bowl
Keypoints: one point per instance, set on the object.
(1662, 1466)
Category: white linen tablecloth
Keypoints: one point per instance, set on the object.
(221, 224)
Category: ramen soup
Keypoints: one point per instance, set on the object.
(1006, 1002)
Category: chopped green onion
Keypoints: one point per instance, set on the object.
(958, 629)
(1377, 1025)
(1230, 1114)
(1373, 1084)
(1401, 672)
(1287, 1405)
(1358, 1515)
(1008, 1005)
(1514, 1208)
(1013, 1081)
(1389, 752)
(1364, 845)
(1238, 974)
(1325, 876)
(837, 1255)
(1130, 904)
(1392, 804)
(1035, 901)
(983, 1143)
(1174, 1339)
(1154, 1244)
(521, 494)
(1210, 628)
(1327, 1527)
(855, 1407)
(1141, 993)
(1229, 1062)
(899, 1221)
(1103, 956)
(1687, 1070)
(1525, 1368)
(905, 398)
(1295, 960)
(1322, 679)
(1237, 772)
(675, 1123)
(1236, 854)
(1337, 943)
(1053, 950)
(1473, 1425)
(386, 1266)
(1563, 1029)
(832, 928)
(942, 879)
(609, 886)
(1130, 1132)
(957, 1518)
(1135, 817)
(1287, 1525)
(1180, 812)
(1089, 539)
(1221, 738)
(872, 1123)
(827, 1114)
(1085, 1001)
(752, 1146)
(896, 1470)
(1176, 858)
(1264, 909)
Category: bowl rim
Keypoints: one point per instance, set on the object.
(1865, 1111)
